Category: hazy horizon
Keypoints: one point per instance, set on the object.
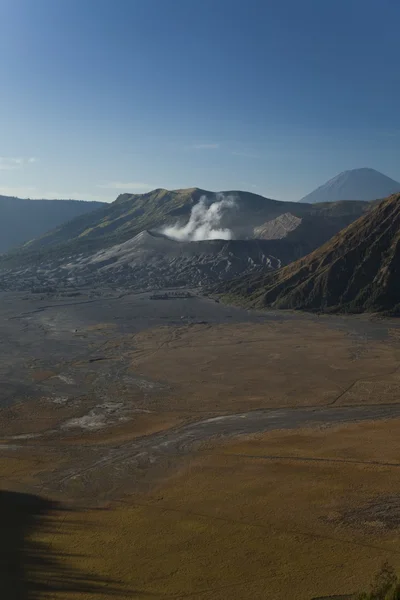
(217, 94)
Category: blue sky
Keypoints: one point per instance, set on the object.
(100, 97)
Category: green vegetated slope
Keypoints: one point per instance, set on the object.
(357, 270)
(132, 213)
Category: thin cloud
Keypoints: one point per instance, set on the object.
(126, 185)
(205, 146)
(10, 163)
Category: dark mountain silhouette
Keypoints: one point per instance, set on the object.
(23, 220)
(357, 184)
(357, 270)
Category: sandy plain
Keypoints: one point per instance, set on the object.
(180, 448)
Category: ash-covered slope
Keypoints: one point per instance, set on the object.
(278, 228)
(316, 226)
(356, 184)
(154, 261)
(357, 270)
(151, 260)
(22, 220)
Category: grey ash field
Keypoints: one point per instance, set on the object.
(73, 349)
(47, 333)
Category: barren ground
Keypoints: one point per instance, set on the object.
(204, 451)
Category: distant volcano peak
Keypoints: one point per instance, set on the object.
(356, 184)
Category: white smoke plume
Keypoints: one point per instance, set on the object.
(204, 222)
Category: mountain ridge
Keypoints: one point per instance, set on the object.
(23, 219)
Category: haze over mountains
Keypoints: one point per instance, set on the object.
(22, 220)
(109, 246)
(239, 212)
(356, 184)
(25, 220)
(238, 240)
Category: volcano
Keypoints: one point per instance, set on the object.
(357, 184)
(153, 260)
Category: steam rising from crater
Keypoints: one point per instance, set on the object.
(204, 222)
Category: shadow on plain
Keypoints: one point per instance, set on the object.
(30, 569)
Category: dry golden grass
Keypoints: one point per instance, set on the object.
(236, 524)
(247, 366)
(22, 470)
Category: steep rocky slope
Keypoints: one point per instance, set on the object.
(357, 270)
(153, 261)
